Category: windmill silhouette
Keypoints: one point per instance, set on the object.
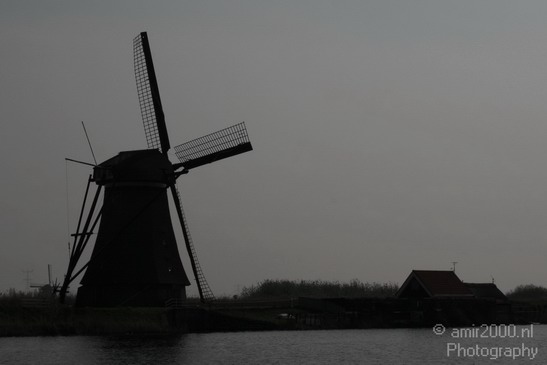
(135, 260)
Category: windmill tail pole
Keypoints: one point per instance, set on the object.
(66, 281)
(77, 248)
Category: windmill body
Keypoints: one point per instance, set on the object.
(135, 260)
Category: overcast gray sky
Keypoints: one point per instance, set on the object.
(388, 135)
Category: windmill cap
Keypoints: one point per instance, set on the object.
(141, 166)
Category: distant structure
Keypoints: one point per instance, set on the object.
(430, 297)
(441, 284)
(135, 260)
(46, 289)
(27, 278)
(487, 291)
(433, 284)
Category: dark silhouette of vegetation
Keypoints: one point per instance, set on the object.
(269, 289)
(39, 313)
(38, 297)
(528, 292)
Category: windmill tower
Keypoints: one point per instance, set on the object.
(135, 260)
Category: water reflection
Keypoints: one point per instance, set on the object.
(389, 346)
(138, 350)
(86, 350)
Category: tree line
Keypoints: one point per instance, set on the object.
(528, 292)
(317, 288)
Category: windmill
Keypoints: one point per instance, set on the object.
(135, 260)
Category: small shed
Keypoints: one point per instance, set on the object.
(434, 284)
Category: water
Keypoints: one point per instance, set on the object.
(378, 346)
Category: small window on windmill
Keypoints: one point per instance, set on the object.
(170, 269)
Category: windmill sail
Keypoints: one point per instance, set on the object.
(149, 95)
(216, 146)
(205, 292)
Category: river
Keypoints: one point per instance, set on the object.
(480, 345)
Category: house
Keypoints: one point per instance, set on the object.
(487, 291)
(428, 297)
(446, 284)
(434, 284)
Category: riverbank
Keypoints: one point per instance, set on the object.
(52, 319)
(48, 318)
(57, 320)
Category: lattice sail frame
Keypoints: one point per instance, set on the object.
(149, 97)
(205, 292)
(215, 146)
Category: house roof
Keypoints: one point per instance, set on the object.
(486, 290)
(437, 283)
